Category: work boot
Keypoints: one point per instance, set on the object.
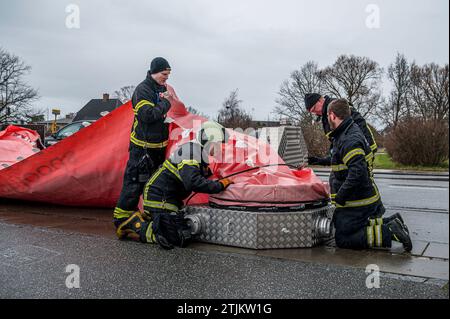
(399, 234)
(118, 221)
(131, 228)
(387, 220)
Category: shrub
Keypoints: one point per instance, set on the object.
(416, 141)
(316, 141)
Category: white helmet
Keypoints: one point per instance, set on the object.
(212, 132)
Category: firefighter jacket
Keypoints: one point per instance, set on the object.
(357, 118)
(351, 179)
(183, 173)
(149, 129)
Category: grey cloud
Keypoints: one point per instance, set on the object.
(213, 46)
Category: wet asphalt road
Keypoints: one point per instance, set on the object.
(33, 259)
(115, 269)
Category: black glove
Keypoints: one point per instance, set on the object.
(313, 160)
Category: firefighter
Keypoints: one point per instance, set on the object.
(185, 171)
(353, 190)
(318, 105)
(148, 138)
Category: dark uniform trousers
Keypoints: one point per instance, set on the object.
(149, 135)
(133, 184)
(361, 227)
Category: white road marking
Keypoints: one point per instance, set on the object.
(418, 187)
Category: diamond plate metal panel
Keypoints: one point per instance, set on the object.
(260, 230)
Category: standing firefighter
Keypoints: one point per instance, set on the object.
(149, 137)
(353, 189)
(186, 171)
(318, 105)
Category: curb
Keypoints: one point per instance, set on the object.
(399, 175)
(393, 172)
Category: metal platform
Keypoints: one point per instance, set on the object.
(261, 230)
(288, 141)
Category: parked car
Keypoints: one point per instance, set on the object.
(66, 131)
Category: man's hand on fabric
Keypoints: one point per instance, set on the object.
(166, 95)
(225, 183)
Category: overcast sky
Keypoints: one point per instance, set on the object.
(213, 47)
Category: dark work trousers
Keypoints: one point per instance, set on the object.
(132, 185)
(352, 227)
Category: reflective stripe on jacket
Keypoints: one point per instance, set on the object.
(357, 118)
(177, 178)
(351, 180)
(149, 129)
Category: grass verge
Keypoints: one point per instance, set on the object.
(383, 161)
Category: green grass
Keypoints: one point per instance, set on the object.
(383, 161)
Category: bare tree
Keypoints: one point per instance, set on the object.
(125, 93)
(398, 104)
(356, 79)
(194, 111)
(292, 92)
(232, 114)
(430, 91)
(15, 95)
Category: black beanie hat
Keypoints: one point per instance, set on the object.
(158, 65)
(311, 99)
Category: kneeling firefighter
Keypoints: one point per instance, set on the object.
(186, 171)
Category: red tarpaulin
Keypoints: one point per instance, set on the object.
(86, 169)
(16, 144)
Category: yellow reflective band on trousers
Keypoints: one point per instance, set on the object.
(120, 213)
(375, 221)
(149, 235)
(378, 236)
(370, 239)
(168, 165)
(160, 205)
(188, 162)
(141, 104)
(353, 153)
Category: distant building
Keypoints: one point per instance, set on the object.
(93, 109)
